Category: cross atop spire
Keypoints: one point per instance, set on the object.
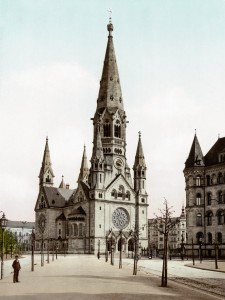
(110, 15)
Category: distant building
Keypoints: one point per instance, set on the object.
(205, 198)
(106, 200)
(22, 232)
(177, 236)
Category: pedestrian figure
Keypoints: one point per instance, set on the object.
(16, 266)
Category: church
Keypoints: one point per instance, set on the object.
(108, 207)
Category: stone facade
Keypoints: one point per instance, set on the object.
(107, 204)
(176, 237)
(205, 198)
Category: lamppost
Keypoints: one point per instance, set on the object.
(3, 221)
(32, 249)
(200, 250)
(120, 243)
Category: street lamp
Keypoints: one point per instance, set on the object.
(98, 249)
(3, 221)
(32, 249)
(200, 249)
(182, 246)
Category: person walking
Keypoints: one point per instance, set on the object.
(16, 267)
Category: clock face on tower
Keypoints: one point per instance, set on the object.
(118, 163)
(120, 218)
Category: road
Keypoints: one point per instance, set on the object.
(84, 277)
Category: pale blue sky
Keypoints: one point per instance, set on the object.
(170, 55)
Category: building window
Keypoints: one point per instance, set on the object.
(198, 199)
(143, 200)
(210, 238)
(198, 180)
(209, 199)
(75, 230)
(100, 225)
(220, 197)
(59, 231)
(208, 181)
(220, 178)
(209, 218)
(220, 217)
(100, 208)
(80, 229)
(106, 130)
(219, 237)
(117, 131)
(199, 219)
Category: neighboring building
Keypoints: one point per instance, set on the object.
(177, 236)
(22, 231)
(205, 197)
(106, 200)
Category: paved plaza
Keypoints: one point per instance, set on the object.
(85, 277)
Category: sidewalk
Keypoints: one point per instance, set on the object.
(208, 265)
(84, 277)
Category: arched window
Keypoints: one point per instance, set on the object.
(220, 178)
(199, 219)
(198, 199)
(208, 180)
(128, 195)
(114, 194)
(106, 130)
(198, 181)
(199, 237)
(220, 217)
(80, 229)
(219, 238)
(48, 179)
(131, 245)
(75, 230)
(209, 218)
(220, 197)
(209, 237)
(117, 130)
(209, 198)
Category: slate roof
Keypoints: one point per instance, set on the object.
(211, 157)
(195, 157)
(20, 224)
(57, 197)
(78, 211)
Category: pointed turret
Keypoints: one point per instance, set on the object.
(97, 163)
(195, 158)
(62, 184)
(110, 94)
(139, 158)
(84, 171)
(139, 168)
(46, 174)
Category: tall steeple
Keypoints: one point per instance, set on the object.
(110, 118)
(84, 171)
(139, 167)
(46, 174)
(195, 157)
(110, 94)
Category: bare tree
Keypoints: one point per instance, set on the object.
(168, 224)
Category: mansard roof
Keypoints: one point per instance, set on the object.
(211, 157)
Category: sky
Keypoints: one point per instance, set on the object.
(171, 61)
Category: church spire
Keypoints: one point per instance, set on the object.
(46, 174)
(84, 171)
(195, 157)
(139, 157)
(62, 184)
(110, 94)
(139, 168)
(97, 154)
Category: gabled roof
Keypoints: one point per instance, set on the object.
(211, 157)
(116, 178)
(195, 157)
(57, 197)
(61, 217)
(20, 224)
(78, 211)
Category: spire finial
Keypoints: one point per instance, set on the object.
(47, 138)
(195, 131)
(110, 15)
(110, 25)
(139, 134)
